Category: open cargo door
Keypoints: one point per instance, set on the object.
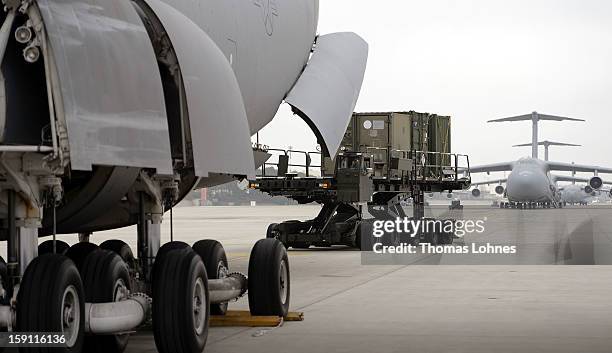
(326, 93)
(217, 117)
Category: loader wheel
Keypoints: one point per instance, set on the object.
(300, 245)
(269, 279)
(46, 247)
(106, 279)
(432, 238)
(215, 261)
(364, 239)
(180, 301)
(446, 239)
(122, 249)
(357, 241)
(271, 232)
(51, 299)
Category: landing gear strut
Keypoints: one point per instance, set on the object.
(102, 293)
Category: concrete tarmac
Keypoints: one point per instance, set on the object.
(354, 308)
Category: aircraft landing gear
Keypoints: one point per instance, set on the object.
(46, 247)
(106, 279)
(215, 262)
(269, 279)
(96, 295)
(184, 296)
(180, 301)
(51, 285)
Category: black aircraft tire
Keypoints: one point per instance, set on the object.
(46, 247)
(51, 285)
(79, 252)
(122, 249)
(215, 260)
(106, 278)
(3, 271)
(269, 279)
(175, 245)
(180, 302)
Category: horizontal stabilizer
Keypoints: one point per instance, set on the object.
(556, 118)
(548, 143)
(513, 118)
(529, 117)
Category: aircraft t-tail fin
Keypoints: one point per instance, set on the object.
(535, 118)
(547, 144)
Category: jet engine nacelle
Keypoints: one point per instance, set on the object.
(596, 183)
(588, 189)
(499, 190)
(476, 192)
(449, 195)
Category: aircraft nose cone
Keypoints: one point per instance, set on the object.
(526, 186)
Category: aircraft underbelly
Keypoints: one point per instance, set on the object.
(268, 43)
(535, 198)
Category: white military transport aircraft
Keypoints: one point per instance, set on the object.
(530, 183)
(574, 194)
(111, 112)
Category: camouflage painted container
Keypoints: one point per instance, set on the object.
(400, 131)
(387, 136)
(439, 139)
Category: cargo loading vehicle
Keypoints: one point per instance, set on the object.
(385, 159)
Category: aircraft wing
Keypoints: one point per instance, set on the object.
(568, 167)
(575, 179)
(496, 181)
(495, 167)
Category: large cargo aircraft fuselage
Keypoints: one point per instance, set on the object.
(530, 181)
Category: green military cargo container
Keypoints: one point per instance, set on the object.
(439, 139)
(387, 135)
(400, 131)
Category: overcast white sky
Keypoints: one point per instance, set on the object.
(478, 60)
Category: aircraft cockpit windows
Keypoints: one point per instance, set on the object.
(526, 162)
